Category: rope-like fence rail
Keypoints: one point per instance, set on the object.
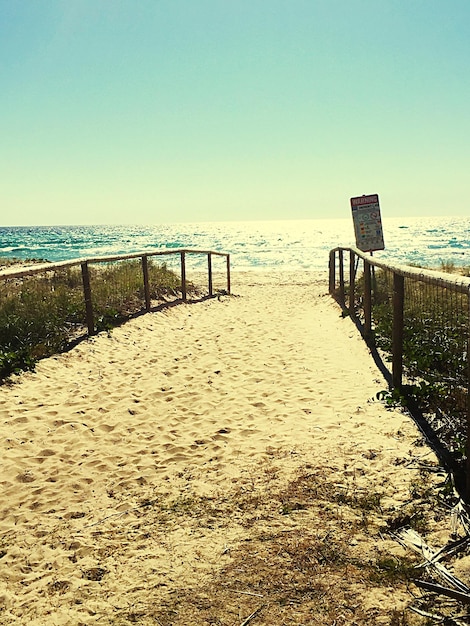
(419, 320)
(46, 305)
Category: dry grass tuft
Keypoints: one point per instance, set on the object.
(275, 547)
(308, 551)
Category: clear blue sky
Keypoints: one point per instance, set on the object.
(149, 111)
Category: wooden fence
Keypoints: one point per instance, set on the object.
(421, 318)
(84, 264)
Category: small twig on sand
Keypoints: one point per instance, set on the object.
(246, 593)
(252, 616)
(451, 593)
(438, 618)
(100, 521)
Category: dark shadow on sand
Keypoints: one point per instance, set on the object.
(162, 306)
(445, 457)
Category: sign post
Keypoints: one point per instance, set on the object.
(367, 223)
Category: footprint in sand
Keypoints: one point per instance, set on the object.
(19, 420)
(46, 452)
(25, 477)
(108, 428)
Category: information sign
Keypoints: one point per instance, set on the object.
(367, 223)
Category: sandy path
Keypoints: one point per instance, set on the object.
(190, 400)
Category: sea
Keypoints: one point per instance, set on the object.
(252, 245)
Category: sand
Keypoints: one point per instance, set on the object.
(120, 459)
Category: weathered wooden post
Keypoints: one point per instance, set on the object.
(332, 272)
(352, 283)
(398, 301)
(341, 278)
(145, 272)
(87, 294)
(209, 271)
(467, 445)
(367, 301)
(183, 274)
(228, 274)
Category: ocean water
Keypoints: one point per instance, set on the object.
(283, 245)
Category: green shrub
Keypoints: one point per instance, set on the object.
(435, 359)
(15, 362)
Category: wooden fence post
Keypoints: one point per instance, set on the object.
(183, 275)
(209, 271)
(332, 272)
(228, 274)
(341, 278)
(87, 294)
(397, 330)
(367, 301)
(352, 283)
(145, 271)
(467, 445)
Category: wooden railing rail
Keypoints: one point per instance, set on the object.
(459, 284)
(183, 253)
(30, 270)
(341, 281)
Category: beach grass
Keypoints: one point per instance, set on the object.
(41, 314)
(435, 360)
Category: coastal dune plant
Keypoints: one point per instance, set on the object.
(41, 314)
(118, 289)
(435, 362)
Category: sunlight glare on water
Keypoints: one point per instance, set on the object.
(283, 244)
